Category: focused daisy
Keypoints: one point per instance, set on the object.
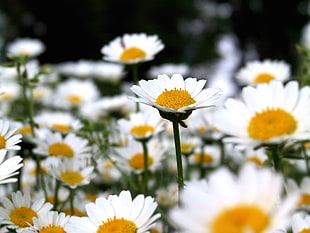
(8, 136)
(18, 212)
(57, 145)
(73, 172)
(256, 72)
(267, 113)
(250, 202)
(9, 167)
(50, 221)
(117, 213)
(175, 94)
(132, 48)
(25, 47)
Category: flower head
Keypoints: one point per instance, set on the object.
(9, 167)
(132, 48)
(8, 137)
(25, 47)
(175, 95)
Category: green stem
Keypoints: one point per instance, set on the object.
(177, 144)
(202, 169)
(134, 69)
(146, 169)
(275, 157)
(306, 157)
(57, 186)
(72, 191)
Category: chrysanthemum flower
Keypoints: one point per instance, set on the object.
(250, 202)
(267, 113)
(8, 138)
(132, 48)
(19, 211)
(256, 72)
(303, 190)
(142, 125)
(73, 172)
(175, 95)
(300, 223)
(117, 213)
(25, 47)
(50, 221)
(9, 167)
(57, 145)
(208, 156)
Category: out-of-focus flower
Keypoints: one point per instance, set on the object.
(255, 72)
(8, 137)
(9, 167)
(250, 202)
(303, 189)
(208, 156)
(18, 212)
(268, 113)
(300, 222)
(118, 213)
(168, 69)
(132, 48)
(175, 95)
(25, 47)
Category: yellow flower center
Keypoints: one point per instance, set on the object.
(154, 230)
(307, 230)
(241, 219)
(132, 53)
(71, 177)
(108, 164)
(271, 123)
(255, 160)
(2, 142)
(60, 149)
(115, 225)
(175, 99)
(263, 78)
(75, 99)
(304, 199)
(52, 229)
(38, 93)
(63, 128)
(137, 161)
(187, 147)
(6, 96)
(202, 129)
(142, 130)
(25, 130)
(77, 212)
(22, 216)
(204, 158)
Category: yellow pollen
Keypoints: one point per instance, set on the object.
(271, 123)
(61, 149)
(22, 216)
(304, 199)
(38, 93)
(52, 229)
(255, 160)
(307, 145)
(307, 230)
(204, 158)
(142, 130)
(202, 129)
(91, 197)
(71, 177)
(154, 230)
(175, 99)
(2, 142)
(137, 161)
(119, 225)
(25, 130)
(187, 147)
(263, 78)
(75, 99)
(132, 53)
(108, 164)
(62, 128)
(240, 219)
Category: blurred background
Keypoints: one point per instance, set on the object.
(190, 29)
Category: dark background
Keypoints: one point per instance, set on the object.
(77, 29)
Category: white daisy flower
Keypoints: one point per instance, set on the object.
(9, 167)
(250, 202)
(300, 223)
(132, 48)
(73, 172)
(75, 93)
(303, 189)
(108, 173)
(50, 221)
(132, 155)
(25, 47)
(256, 72)
(19, 211)
(57, 145)
(63, 122)
(208, 156)
(168, 69)
(117, 213)
(142, 125)
(10, 91)
(267, 113)
(8, 137)
(175, 95)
